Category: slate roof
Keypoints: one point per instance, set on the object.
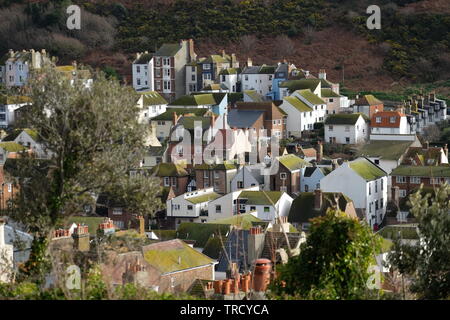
(174, 255)
(243, 118)
(144, 58)
(302, 208)
(345, 119)
(367, 169)
(236, 248)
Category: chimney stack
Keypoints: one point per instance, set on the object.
(322, 74)
(319, 152)
(446, 150)
(262, 275)
(2, 232)
(318, 199)
(174, 118)
(223, 53)
(192, 54)
(255, 243)
(427, 145)
(334, 164)
(213, 121)
(395, 195)
(233, 61)
(249, 62)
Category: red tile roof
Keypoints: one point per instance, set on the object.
(386, 119)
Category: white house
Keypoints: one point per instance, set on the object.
(29, 139)
(151, 104)
(301, 115)
(248, 176)
(336, 103)
(143, 76)
(365, 183)
(191, 206)
(346, 128)
(265, 205)
(230, 78)
(311, 177)
(9, 104)
(258, 78)
(388, 123)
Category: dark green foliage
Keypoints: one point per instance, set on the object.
(427, 263)
(333, 263)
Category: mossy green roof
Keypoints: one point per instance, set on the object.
(244, 221)
(388, 150)
(368, 100)
(215, 58)
(298, 104)
(196, 100)
(227, 165)
(203, 198)
(152, 98)
(366, 169)
(168, 115)
(267, 69)
(201, 232)
(169, 170)
(5, 99)
(292, 162)
(302, 208)
(422, 171)
(16, 132)
(230, 71)
(294, 85)
(255, 96)
(328, 93)
(310, 97)
(174, 255)
(12, 146)
(189, 122)
(235, 97)
(168, 50)
(261, 197)
(343, 118)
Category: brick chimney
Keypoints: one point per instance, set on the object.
(319, 151)
(141, 225)
(233, 60)
(249, 62)
(223, 53)
(192, 54)
(432, 96)
(318, 199)
(426, 145)
(446, 150)
(213, 121)
(81, 238)
(255, 243)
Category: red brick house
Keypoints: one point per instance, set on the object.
(172, 175)
(218, 176)
(287, 178)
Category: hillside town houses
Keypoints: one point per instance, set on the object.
(258, 150)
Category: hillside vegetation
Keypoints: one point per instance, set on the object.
(412, 47)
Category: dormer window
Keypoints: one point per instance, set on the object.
(393, 119)
(378, 119)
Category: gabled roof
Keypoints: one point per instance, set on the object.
(168, 115)
(12, 146)
(168, 50)
(169, 170)
(388, 150)
(216, 58)
(261, 197)
(255, 96)
(203, 198)
(366, 169)
(14, 134)
(298, 104)
(422, 171)
(302, 208)
(230, 71)
(343, 118)
(368, 100)
(328, 93)
(385, 119)
(310, 97)
(196, 100)
(189, 122)
(294, 85)
(292, 162)
(174, 255)
(243, 119)
(144, 58)
(152, 98)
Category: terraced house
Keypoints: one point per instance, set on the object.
(368, 104)
(218, 176)
(365, 183)
(258, 78)
(169, 65)
(152, 104)
(143, 72)
(287, 177)
(408, 179)
(207, 70)
(265, 205)
(172, 176)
